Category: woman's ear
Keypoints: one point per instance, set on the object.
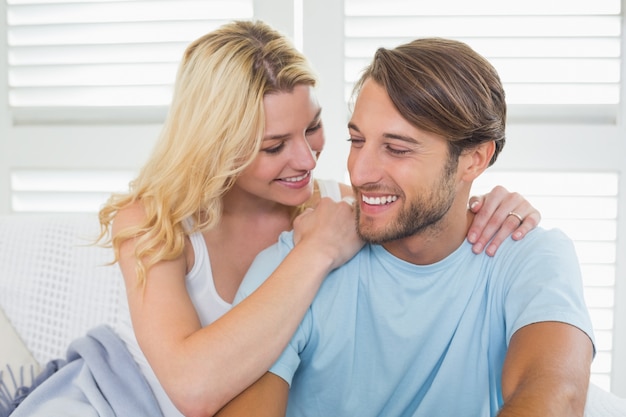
(477, 160)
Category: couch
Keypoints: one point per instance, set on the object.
(55, 285)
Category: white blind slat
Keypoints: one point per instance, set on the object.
(97, 54)
(483, 7)
(481, 26)
(508, 47)
(110, 33)
(41, 190)
(107, 96)
(91, 75)
(54, 13)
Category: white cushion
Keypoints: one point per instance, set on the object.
(17, 365)
(55, 284)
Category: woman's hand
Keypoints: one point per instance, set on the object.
(330, 228)
(497, 217)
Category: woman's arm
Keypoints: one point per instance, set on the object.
(202, 368)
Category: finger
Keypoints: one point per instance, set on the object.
(499, 227)
(510, 225)
(496, 228)
(475, 203)
(530, 222)
(297, 233)
(303, 214)
(515, 227)
(488, 218)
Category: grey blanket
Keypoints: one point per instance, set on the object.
(99, 379)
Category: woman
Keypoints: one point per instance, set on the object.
(231, 171)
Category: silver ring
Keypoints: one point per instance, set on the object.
(512, 213)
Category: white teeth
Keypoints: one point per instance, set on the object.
(296, 179)
(379, 201)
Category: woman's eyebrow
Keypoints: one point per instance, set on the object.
(317, 116)
(283, 136)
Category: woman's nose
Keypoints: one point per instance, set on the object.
(305, 157)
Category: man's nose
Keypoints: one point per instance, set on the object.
(364, 166)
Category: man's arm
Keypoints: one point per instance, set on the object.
(267, 397)
(546, 371)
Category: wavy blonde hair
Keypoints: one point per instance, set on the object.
(212, 132)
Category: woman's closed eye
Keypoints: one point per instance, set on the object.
(274, 149)
(314, 128)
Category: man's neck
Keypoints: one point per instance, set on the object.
(436, 242)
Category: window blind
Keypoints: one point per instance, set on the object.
(90, 60)
(559, 60)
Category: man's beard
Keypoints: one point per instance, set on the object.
(423, 212)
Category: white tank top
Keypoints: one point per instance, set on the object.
(209, 305)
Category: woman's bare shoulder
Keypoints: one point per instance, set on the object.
(128, 216)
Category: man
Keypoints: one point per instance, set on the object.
(416, 324)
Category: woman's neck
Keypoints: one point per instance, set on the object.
(244, 230)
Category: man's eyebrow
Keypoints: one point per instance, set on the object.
(408, 139)
(394, 136)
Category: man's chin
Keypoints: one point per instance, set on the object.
(369, 235)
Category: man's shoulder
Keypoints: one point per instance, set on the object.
(540, 250)
(264, 264)
(538, 239)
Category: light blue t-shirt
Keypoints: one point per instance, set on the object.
(385, 337)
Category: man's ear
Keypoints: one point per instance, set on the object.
(477, 160)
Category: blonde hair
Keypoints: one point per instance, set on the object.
(213, 131)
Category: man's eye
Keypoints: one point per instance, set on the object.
(397, 151)
(356, 142)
